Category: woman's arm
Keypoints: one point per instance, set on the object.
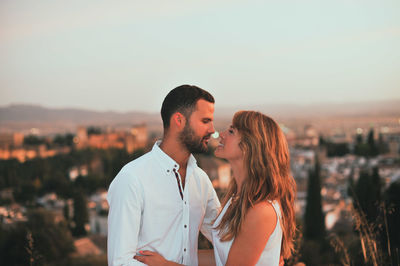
(153, 258)
(206, 258)
(256, 229)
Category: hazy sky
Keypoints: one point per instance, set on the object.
(127, 55)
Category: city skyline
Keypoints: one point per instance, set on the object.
(126, 56)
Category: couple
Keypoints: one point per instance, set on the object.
(160, 201)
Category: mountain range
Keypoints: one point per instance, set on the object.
(24, 116)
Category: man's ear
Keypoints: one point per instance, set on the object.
(179, 120)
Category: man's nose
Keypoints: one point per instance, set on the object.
(212, 128)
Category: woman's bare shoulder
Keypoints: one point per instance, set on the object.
(261, 217)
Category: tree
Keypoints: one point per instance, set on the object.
(94, 130)
(373, 149)
(52, 241)
(337, 149)
(64, 140)
(367, 194)
(368, 148)
(314, 220)
(81, 216)
(34, 140)
(359, 139)
(12, 245)
(382, 145)
(40, 241)
(392, 202)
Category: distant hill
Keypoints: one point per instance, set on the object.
(23, 117)
(50, 120)
(288, 111)
(32, 113)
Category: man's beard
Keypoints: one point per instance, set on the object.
(193, 143)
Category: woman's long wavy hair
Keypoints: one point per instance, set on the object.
(267, 161)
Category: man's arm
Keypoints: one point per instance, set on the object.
(212, 209)
(125, 201)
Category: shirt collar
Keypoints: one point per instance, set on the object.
(167, 163)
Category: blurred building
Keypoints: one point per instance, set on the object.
(13, 140)
(393, 142)
(218, 170)
(307, 136)
(23, 153)
(11, 214)
(85, 247)
(98, 210)
(54, 204)
(135, 138)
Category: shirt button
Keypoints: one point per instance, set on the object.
(184, 249)
(185, 202)
(185, 226)
(168, 171)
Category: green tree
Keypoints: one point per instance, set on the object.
(94, 130)
(41, 241)
(392, 202)
(372, 147)
(314, 220)
(382, 145)
(315, 248)
(34, 140)
(361, 148)
(9, 173)
(367, 194)
(64, 140)
(12, 245)
(81, 215)
(337, 149)
(52, 241)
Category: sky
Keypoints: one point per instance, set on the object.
(127, 55)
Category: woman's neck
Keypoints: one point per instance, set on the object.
(239, 173)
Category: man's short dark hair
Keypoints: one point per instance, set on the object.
(182, 99)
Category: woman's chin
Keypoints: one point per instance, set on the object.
(220, 155)
(217, 154)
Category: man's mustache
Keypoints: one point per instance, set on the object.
(207, 136)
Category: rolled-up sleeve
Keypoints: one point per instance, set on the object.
(125, 210)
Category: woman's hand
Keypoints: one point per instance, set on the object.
(153, 258)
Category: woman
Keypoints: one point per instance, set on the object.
(257, 222)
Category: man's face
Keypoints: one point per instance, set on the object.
(198, 127)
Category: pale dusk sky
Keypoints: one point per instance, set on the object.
(127, 55)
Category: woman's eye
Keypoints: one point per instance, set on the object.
(230, 131)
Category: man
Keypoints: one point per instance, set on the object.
(160, 201)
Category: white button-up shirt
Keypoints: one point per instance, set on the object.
(147, 211)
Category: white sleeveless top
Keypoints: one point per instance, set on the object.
(271, 253)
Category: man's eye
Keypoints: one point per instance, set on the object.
(230, 131)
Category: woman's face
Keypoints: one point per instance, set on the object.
(228, 147)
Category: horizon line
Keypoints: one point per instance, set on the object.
(220, 107)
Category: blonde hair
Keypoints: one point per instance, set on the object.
(266, 156)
